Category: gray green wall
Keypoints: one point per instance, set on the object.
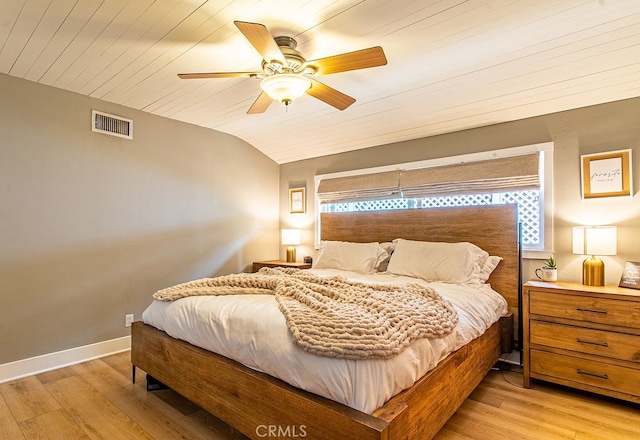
(91, 225)
(607, 127)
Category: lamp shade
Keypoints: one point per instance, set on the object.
(290, 236)
(595, 240)
(285, 87)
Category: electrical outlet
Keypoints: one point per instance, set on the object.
(128, 319)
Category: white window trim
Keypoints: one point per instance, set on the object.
(546, 173)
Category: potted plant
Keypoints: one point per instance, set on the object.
(551, 263)
(549, 271)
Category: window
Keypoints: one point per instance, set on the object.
(533, 206)
(528, 202)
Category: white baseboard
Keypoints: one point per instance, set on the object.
(52, 361)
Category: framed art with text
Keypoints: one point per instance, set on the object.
(606, 174)
(296, 200)
(630, 275)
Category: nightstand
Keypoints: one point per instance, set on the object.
(584, 337)
(257, 265)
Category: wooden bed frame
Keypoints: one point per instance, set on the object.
(257, 404)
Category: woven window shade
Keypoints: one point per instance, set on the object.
(515, 173)
(487, 176)
(364, 187)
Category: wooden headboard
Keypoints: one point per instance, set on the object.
(493, 228)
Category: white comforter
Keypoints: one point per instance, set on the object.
(251, 330)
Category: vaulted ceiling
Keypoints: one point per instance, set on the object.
(452, 64)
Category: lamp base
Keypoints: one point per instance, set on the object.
(593, 272)
(291, 254)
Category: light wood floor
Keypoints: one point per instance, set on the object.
(96, 400)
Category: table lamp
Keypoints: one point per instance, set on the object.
(594, 240)
(291, 237)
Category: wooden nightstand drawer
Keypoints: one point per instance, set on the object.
(585, 308)
(582, 371)
(585, 340)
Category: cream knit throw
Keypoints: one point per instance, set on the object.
(330, 316)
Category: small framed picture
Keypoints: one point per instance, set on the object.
(296, 200)
(630, 275)
(606, 174)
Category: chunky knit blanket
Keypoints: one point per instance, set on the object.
(334, 317)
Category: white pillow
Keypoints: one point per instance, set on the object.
(488, 267)
(357, 257)
(456, 263)
(388, 246)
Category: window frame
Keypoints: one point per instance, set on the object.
(546, 185)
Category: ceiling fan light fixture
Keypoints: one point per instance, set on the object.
(286, 74)
(285, 87)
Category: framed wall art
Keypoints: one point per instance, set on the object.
(296, 200)
(630, 275)
(606, 174)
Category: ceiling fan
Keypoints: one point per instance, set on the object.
(286, 74)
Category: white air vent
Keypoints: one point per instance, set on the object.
(112, 125)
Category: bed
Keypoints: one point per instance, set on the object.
(258, 404)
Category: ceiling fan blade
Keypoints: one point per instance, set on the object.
(329, 95)
(218, 75)
(262, 40)
(260, 105)
(360, 59)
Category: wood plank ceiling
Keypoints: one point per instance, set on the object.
(452, 64)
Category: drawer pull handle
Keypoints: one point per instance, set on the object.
(582, 309)
(587, 373)
(599, 344)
